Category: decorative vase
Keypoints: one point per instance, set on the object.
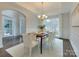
(41, 27)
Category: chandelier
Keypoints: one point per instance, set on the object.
(43, 16)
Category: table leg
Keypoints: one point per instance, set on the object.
(41, 46)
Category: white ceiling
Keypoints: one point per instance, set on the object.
(49, 8)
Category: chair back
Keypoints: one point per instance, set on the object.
(25, 40)
(28, 41)
(31, 36)
(50, 35)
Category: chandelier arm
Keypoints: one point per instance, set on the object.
(42, 16)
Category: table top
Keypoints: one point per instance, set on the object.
(41, 34)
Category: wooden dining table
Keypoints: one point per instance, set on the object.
(41, 36)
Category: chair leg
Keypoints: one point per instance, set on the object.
(50, 45)
(30, 51)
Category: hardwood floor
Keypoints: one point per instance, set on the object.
(3, 53)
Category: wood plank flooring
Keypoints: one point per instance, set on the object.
(3, 53)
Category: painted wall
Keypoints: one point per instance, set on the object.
(32, 22)
(65, 25)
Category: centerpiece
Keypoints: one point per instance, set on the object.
(41, 27)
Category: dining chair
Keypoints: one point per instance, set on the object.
(30, 42)
(50, 39)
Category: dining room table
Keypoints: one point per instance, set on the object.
(41, 36)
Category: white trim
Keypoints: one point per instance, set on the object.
(1, 31)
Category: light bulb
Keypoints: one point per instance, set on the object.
(39, 16)
(42, 16)
(45, 16)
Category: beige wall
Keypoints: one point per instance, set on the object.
(65, 25)
(32, 22)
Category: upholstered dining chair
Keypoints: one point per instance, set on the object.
(30, 42)
(49, 39)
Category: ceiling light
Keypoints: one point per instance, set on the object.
(42, 17)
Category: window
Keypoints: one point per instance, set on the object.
(7, 25)
(13, 22)
(52, 25)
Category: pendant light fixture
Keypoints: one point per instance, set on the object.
(42, 16)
